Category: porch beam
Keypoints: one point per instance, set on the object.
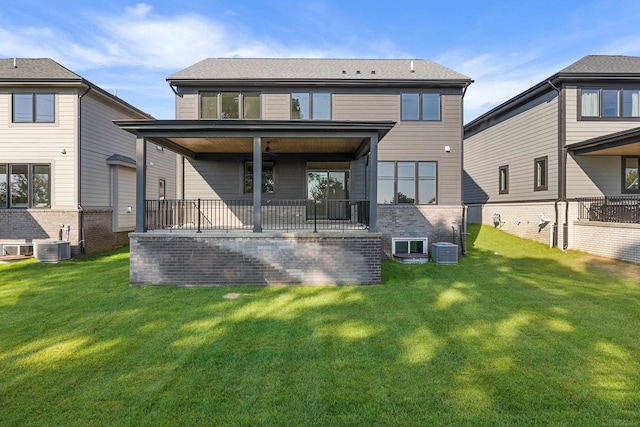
(257, 184)
(141, 184)
(373, 183)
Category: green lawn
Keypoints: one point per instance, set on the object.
(515, 334)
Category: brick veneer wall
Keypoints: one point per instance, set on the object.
(243, 258)
(433, 222)
(611, 240)
(37, 225)
(98, 234)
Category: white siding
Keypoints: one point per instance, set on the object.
(126, 188)
(42, 142)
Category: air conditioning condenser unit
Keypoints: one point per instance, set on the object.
(53, 251)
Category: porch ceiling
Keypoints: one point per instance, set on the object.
(276, 145)
(625, 143)
(201, 137)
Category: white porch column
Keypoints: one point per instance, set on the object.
(257, 184)
(141, 184)
(373, 183)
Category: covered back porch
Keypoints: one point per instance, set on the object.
(262, 202)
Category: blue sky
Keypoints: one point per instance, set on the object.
(131, 47)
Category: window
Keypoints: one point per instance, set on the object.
(409, 245)
(631, 103)
(268, 182)
(33, 108)
(610, 103)
(25, 186)
(162, 189)
(630, 174)
(540, 173)
(503, 180)
(420, 106)
(3, 186)
(229, 105)
(407, 183)
(311, 106)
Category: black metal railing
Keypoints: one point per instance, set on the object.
(621, 209)
(286, 215)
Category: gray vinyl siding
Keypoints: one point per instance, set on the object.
(42, 142)
(102, 139)
(224, 180)
(359, 106)
(592, 176)
(514, 142)
(578, 130)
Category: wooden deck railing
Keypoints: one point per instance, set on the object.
(286, 215)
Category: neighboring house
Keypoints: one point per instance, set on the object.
(66, 171)
(293, 152)
(559, 162)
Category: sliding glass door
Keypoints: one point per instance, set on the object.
(329, 192)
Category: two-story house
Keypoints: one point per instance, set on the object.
(301, 170)
(67, 172)
(559, 162)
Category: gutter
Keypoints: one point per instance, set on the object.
(463, 226)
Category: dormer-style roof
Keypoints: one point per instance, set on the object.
(46, 71)
(317, 69)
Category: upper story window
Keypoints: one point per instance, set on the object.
(407, 183)
(420, 106)
(25, 186)
(608, 103)
(631, 175)
(311, 106)
(33, 108)
(230, 105)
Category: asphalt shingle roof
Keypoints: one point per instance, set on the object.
(316, 69)
(604, 64)
(34, 69)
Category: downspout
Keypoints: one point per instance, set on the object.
(79, 162)
(561, 162)
(463, 225)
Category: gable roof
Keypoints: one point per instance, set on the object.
(26, 71)
(591, 67)
(306, 69)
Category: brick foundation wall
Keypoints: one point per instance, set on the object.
(433, 222)
(98, 234)
(618, 241)
(36, 225)
(243, 258)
